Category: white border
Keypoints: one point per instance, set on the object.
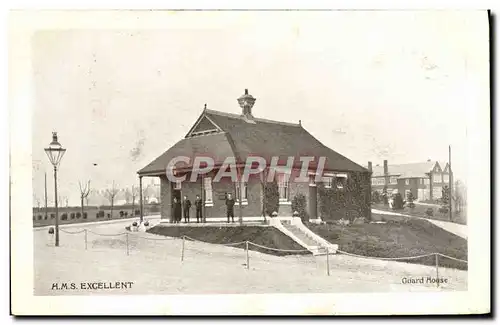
(475, 300)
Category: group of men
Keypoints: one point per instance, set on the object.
(184, 207)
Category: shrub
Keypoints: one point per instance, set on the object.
(299, 204)
(137, 212)
(429, 212)
(109, 215)
(398, 202)
(51, 230)
(72, 215)
(45, 218)
(359, 221)
(78, 215)
(146, 224)
(443, 209)
(271, 197)
(34, 218)
(121, 214)
(39, 217)
(376, 196)
(134, 224)
(101, 214)
(97, 215)
(410, 198)
(385, 196)
(64, 216)
(126, 213)
(85, 215)
(154, 208)
(52, 216)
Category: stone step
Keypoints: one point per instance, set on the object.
(301, 235)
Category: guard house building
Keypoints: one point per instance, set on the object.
(342, 192)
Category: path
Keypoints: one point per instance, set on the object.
(454, 228)
(154, 266)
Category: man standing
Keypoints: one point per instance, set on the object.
(177, 210)
(198, 205)
(186, 207)
(230, 207)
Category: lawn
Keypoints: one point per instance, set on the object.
(420, 211)
(260, 235)
(402, 238)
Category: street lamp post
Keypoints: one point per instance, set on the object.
(55, 152)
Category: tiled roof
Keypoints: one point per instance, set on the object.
(263, 138)
(409, 170)
(215, 146)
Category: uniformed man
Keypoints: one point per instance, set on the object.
(230, 207)
(177, 210)
(186, 206)
(198, 204)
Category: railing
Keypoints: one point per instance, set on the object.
(247, 244)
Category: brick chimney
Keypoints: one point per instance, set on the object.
(386, 167)
(370, 166)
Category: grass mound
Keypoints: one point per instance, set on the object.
(265, 236)
(410, 237)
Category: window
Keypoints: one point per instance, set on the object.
(328, 182)
(378, 181)
(426, 181)
(393, 180)
(407, 181)
(437, 192)
(241, 191)
(207, 186)
(446, 178)
(177, 185)
(283, 187)
(341, 181)
(436, 178)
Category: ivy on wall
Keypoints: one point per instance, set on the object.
(350, 202)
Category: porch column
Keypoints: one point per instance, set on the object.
(263, 188)
(204, 211)
(240, 179)
(140, 197)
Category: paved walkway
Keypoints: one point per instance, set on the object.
(455, 228)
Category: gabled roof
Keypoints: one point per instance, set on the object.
(410, 170)
(242, 138)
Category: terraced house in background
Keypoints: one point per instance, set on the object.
(425, 180)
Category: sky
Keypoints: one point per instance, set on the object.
(372, 85)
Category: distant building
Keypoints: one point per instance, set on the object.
(425, 180)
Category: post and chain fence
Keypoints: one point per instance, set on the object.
(247, 244)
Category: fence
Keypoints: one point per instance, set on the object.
(247, 247)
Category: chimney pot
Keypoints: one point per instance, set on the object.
(246, 91)
(369, 166)
(386, 167)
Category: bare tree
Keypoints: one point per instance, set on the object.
(64, 200)
(134, 193)
(128, 195)
(84, 193)
(110, 195)
(145, 194)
